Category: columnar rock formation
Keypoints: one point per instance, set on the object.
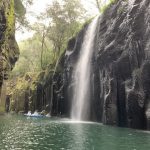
(121, 65)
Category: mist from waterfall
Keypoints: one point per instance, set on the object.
(81, 92)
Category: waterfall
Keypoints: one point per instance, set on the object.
(81, 92)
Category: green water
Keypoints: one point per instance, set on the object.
(23, 133)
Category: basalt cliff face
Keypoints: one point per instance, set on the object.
(120, 78)
(9, 51)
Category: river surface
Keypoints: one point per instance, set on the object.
(26, 133)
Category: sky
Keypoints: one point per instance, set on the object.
(40, 5)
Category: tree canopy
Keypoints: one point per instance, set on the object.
(53, 29)
(20, 12)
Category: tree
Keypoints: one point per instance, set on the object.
(30, 55)
(20, 12)
(58, 24)
(64, 22)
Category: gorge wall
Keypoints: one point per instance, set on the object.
(121, 66)
(120, 76)
(9, 51)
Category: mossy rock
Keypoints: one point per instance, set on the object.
(9, 51)
(8, 45)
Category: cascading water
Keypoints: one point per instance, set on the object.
(81, 93)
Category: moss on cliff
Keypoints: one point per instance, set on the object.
(8, 46)
(23, 90)
(10, 18)
(9, 51)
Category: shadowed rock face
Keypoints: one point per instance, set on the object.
(9, 51)
(120, 78)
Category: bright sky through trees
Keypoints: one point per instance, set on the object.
(40, 5)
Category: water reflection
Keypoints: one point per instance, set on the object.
(78, 137)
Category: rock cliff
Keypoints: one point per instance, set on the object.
(121, 66)
(9, 51)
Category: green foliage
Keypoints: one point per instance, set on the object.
(19, 9)
(30, 56)
(103, 5)
(41, 53)
(19, 87)
(64, 22)
(60, 22)
(20, 12)
(10, 16)
(9, 48)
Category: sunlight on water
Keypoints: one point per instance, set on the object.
(29, 133)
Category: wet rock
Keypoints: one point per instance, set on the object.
(121, 67)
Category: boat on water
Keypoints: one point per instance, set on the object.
(35, 114)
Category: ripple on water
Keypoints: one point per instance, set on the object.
(18, 132)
